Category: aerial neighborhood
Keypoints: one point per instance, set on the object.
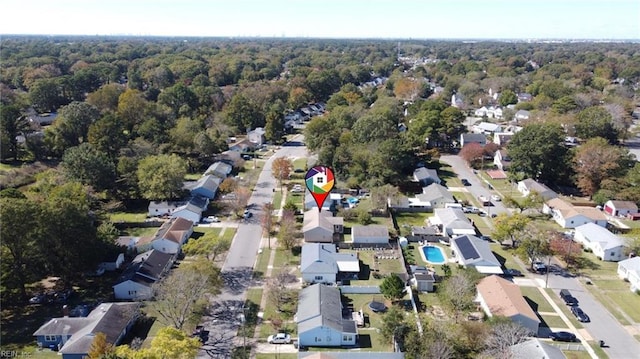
(156, 199)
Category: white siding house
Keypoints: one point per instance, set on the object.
(570, 216)
(629, 270)
(604, 244)
(371, 234)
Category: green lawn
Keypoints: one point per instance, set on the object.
(554, 321)
(369, 333)
(262, 263)
(229, 233)
(192, 176)
(576, 354)
(139, 231)
(300, 163)
(406, 220)
(534, 295)
(277, 356)
(277, 199)
(118, 217)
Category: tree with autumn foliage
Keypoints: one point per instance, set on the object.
(597, 160)
(472, 153)
(565, 248)
(508, 227)
(281, 169)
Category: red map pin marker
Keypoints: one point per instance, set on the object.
(320, 182)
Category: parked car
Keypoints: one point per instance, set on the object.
(568, 298)
(539, 267)
(280, 338)
(580, 315)
(562, 336)
(496, 198)
(512, 273)
(247, 214)
(465, 182)
(212, 219)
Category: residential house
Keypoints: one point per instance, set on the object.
(452, 222)
(192, 209)
(241, 146)
(322, 227)
(371, 234)
(72, 337)
(629, 270)
(500, 297)
(528, 185)
(524, 97)
(535, 348)
(350, 355)
(501, 159)
(604, 244)
(620, 208)
(522, 115)
(145, 269)
(134, 244)
(206, 186)
(487, 128)
(256, 137)
(570, 216)
(163, 208)
(470, 251)
(172, 235)
(467, 138)
(321, 263)
(502, 138)
(435, 195)
(319, 318)
(426, 176)
(219, 169)
(457, 101)
(489, 112)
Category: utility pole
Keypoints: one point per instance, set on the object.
(546, 281)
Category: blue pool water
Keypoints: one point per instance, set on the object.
(433, 254)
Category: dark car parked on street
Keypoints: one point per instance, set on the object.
(568, 298)
(580, 315)
(563, 336)
(512, 273)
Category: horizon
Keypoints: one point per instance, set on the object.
(329, 19)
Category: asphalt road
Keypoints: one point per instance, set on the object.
(226, 312)
(478, 187)
(603, 326)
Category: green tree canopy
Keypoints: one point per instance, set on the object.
(538, 151)
(87, 165)
(392, 287)
(161, 177)
(596, 122)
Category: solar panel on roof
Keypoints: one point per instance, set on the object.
(466, 248)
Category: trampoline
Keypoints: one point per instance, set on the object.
(377, 307)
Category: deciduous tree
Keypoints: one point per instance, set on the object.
(87, 165)
(472, 153)
(177, 294)
(596, 122)
(281, 169)
(533, 243)
(161, 177)
(596, 161)
(507, 227)
(459, 291)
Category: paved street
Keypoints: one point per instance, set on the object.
(225, 316)
(603, 326)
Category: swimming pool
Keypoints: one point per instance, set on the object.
(433, 254)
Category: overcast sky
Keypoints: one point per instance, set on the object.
(417, 19)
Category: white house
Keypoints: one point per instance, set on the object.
(321, 263)
(452, 222)
(629, 270)
(522, 115)
(256, 136)
(620, 208)
(319, 318)
(219, 169)
(487, 128)
(137, 280)
(172, 235)
(371, 234)
(529, 185)
(434, 196)
(570, 216)
(501, 159)
(112, 263)
(500, 297)
(536, 348)
(471, 251)
(604, 244)
(502, 138)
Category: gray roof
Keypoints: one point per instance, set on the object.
(319, 305)
(108, 318)
(453, 218)
(595, 233)
(372, 230)
(534, 348)
(482, 254)
(435, 191)
(219, 169)
(147, 267)
(422, 173)
(474, 137)
(318, 252)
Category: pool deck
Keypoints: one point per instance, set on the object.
(424, 258)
